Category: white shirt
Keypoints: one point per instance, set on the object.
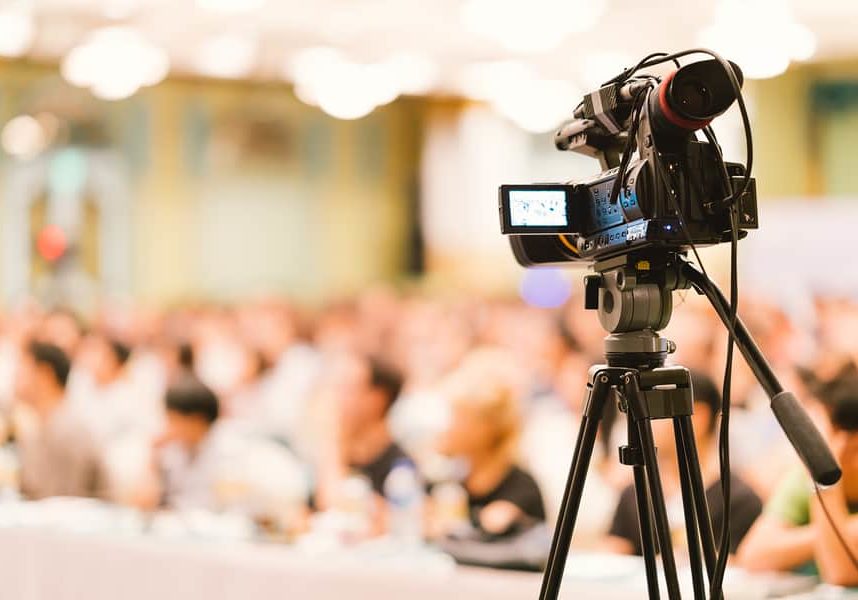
(232, 471)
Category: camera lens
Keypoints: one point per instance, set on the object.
(694, 98)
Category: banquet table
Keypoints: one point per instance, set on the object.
(39, 564)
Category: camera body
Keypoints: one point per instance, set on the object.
(672, 191)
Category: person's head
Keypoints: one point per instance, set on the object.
(366, 389)
(485, 417)
(191, 409)
(63, 329)
(840, 398)
(43, 373)
(104, 357)
(177, 358)
(707, 405)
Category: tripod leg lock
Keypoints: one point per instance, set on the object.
(631, 456)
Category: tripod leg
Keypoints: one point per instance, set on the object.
(699, 491)
(690, 512)
(644, 514)
(638, 412)
(553, 575)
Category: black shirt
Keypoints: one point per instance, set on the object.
(380, 467)
(517, 487)
(745, 507)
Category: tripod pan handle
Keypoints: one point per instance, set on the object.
(806, 439)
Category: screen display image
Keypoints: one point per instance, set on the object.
(537, 208)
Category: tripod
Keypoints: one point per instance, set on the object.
(633, 296)
(644, 395)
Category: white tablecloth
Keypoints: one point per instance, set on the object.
(43, 565)
(37, 565)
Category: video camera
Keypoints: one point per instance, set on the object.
(660, 187)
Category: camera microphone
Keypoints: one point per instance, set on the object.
(565, 136)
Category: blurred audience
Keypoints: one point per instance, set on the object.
(58, 452)
(370, 404)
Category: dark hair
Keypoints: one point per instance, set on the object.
(53, 357)
(840, 397)
(706, 392)
(261, 364)
(191, 397)
(120, 350)
(387, 379)
(186, 356)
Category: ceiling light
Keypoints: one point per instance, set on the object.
(115, 62)
(515, 91)
(761, 36)
(16, 33)
(227, 56)
(117, 87)
(802, 41)
(538, 106)
(533, 26)
(23, 137)
(601, 65)
(487, 80)
(414, 74)
(346, 89)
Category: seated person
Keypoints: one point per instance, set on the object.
(187, 450)
(102, 390)
(201, 464)
(368, 390)
(745, 505)
(503, 499)
(57, 452)
(794, 533)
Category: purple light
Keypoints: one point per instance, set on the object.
(545, 287)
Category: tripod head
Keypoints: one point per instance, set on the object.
(633, 295)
